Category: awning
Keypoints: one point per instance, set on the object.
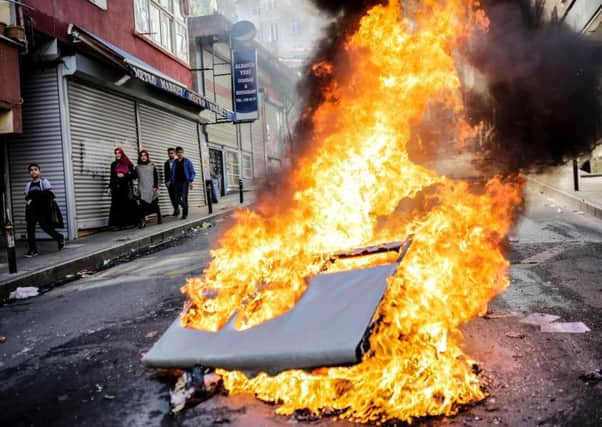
(145, 72)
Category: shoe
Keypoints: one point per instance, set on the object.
(184, 216)
(142, 224)
(176, 213)
(61, 243)
(31, 254)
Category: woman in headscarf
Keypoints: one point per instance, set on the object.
(148, 184)
(124, 209)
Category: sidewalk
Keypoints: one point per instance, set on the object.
(101, 249)
(559, 186)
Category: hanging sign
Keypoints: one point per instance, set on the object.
(245, 97)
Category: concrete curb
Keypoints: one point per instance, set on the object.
(571, 200)
(59, 273)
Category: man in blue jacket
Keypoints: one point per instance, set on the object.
(182, 178)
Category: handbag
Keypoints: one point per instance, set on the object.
(56, 217)
(134, 192)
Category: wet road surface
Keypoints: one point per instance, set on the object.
(72, 355)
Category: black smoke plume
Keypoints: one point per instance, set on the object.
(542, 88)
(346, 16)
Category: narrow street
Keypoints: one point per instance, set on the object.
(72, 355)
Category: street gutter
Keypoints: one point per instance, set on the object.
(67, 271)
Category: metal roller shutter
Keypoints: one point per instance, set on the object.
(100, 121)
(160, 130)
(40, 142)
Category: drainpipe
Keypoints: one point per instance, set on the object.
(66, 68)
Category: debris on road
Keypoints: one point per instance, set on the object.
(593, 377)
(499, 314)
(206, 225)
(193, 387)
(211, 382)
(2, 339)
(24, 293)
(565, 327)
(109, 397)
(151, 334)
(548, 323)
(539, 319)
(515, 335)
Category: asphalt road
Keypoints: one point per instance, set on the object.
(72, 355)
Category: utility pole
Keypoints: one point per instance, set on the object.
(9, 232)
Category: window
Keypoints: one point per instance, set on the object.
(233, 168)
(142, 18)
(274, 32)
(247, 166)
(296, 27)
(163, 21)
(181, 41)
(102, 4)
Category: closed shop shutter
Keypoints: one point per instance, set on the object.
(100, 122)
(160, 130)
(40, 142)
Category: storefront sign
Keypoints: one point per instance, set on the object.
(244, 83)
(180, 91)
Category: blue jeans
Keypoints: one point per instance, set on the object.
(181, 193)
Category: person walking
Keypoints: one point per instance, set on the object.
(124, 209)
(148, 185)
(182, 178)
(39, 199)
(171, 189)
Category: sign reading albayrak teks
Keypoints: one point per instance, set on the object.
(245, 98)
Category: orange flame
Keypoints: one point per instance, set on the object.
(346, 193)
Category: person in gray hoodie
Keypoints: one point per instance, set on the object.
(148, 186)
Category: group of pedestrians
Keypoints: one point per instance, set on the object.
(130, 204)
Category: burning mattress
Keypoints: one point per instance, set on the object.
(328, 326)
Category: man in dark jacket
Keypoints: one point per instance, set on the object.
(171, 189)
(182, 178)
(39, 198)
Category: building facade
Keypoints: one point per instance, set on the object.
(583, 16)
(226, 8)
(245, 151)
(289, 29)
(101, 74)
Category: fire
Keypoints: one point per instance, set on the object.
(349, 191)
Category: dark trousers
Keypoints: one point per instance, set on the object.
(181, 190)
(44, 225)
(149, 209)
(171, 189)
